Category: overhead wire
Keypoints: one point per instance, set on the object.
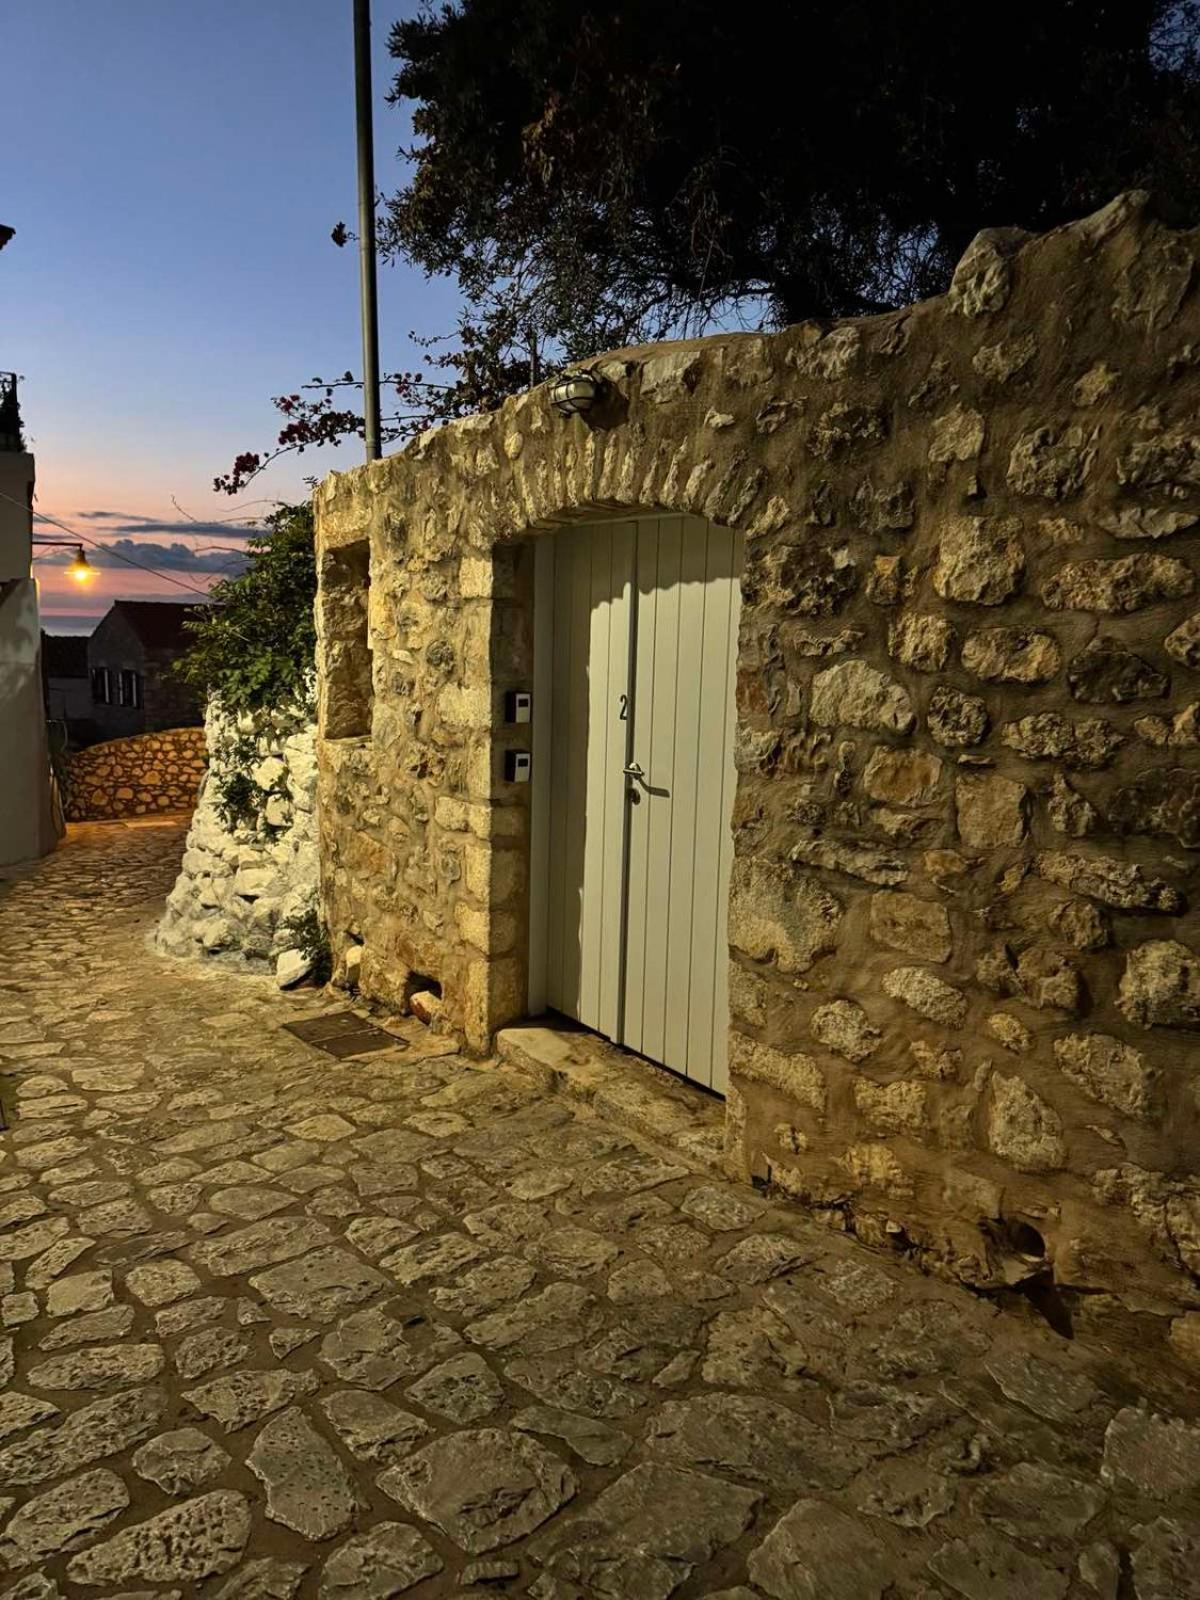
(98, 544)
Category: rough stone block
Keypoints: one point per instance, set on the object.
(906, 922)
(980, 560)
(992, 811)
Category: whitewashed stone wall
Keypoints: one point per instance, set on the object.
(238, 885)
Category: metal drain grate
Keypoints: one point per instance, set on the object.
(343, 1033)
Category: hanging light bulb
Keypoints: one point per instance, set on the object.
(81, 568)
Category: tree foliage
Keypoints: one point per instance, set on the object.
(254, 646)
(643, 161)
(595, 175)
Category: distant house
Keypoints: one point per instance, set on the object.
(128, 657)
(67, 683)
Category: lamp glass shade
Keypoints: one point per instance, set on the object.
(574, 392)
(81, 568)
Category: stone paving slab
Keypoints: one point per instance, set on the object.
(276, 1325)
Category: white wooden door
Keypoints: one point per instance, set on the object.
(639, 626)
(585, 590)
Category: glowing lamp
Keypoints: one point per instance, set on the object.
(573, 393)
(81, 568)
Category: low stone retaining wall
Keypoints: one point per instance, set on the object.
(240, 881)
(136, 776)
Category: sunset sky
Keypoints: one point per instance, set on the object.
(173, 173)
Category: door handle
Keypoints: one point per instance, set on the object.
(636, 776)
(634, 771)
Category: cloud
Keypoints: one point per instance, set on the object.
(108, 516)
(128, 522)
(164, 557)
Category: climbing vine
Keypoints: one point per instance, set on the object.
(252, 653)
(240, 801)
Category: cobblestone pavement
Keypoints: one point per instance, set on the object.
(276, 1325)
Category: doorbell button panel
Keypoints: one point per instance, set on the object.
(517, 765)
(518, 706)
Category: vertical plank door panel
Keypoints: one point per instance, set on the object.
(640, 709)
(612, 819)
(688, 777)
(657, 808)
(600, 579)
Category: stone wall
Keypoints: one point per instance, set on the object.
(965, 949)
(136, 776)
(240, 881)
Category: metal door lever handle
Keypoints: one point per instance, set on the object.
(633, 770)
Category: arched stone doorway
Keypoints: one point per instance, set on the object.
(965, 952)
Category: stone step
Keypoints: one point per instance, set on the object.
(639, 1097)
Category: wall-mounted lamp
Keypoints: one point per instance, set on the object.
(81, 569)
(573, 393)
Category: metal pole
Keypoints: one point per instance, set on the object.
(366, 224)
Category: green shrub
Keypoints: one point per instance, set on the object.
(255, 645)
(308, 935)
(253, 651)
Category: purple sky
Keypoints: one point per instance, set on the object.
(173, 172)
